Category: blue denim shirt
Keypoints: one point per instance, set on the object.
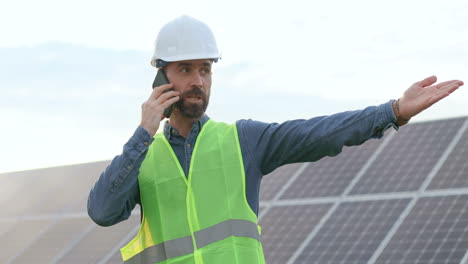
(264, 146)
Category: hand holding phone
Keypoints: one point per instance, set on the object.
(159, 80)
(158, 104)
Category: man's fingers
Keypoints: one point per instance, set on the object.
(170, 101)
(428, 81)
(166, 96)
(157, 91)
(442, 84)
(450, 88)
(445, 91)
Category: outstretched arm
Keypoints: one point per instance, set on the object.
(420, 96)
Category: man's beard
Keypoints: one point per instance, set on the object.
(193, 110)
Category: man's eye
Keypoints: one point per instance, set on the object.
(206, 70)
(185, 69)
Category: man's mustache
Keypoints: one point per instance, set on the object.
(196, 91)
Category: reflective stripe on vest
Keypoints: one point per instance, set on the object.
(166, 250)
(184, 245)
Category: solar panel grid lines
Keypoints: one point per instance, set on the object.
(284, 187)
(426, 222)
(435, 231)
(74, 242)
(55, 240)
(409, 158)
(284, 228)
(353, 232)
(319, 200)
(274, 181)
(420, 191)
(96, 244)
(114, 256)
(25, 233)
(454, 173)
(365, 197)
(444, 192)
(331, 175)
(443, 159)
(316, 229)
(465, 258)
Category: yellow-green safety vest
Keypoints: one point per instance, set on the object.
(204, 219)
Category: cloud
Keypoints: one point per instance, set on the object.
(63, 79)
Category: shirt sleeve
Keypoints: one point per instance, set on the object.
(272, 145)
(116, 192)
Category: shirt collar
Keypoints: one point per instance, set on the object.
(170, 131)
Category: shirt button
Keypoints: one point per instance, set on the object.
(145, 143)
(129, 167)
(188, 145)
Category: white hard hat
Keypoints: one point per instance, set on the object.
(184, 38)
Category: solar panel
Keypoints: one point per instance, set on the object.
(331, 175)
(11, 185)
(408, 158)
(56, 239)
(353, 232)
(116, 258)
(98, 243)
(274, 181)
(46, 185)
(284, 228)
(454, 172)
(20, 236)
(435, 231)
(403, 199)
(77, 196)
(78, 205)
(5, 226)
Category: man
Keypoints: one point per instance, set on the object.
(198, 181)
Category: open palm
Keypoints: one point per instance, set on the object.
(423, 94)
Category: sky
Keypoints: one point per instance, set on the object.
(73, 74)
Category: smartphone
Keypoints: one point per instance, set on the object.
(159, 80)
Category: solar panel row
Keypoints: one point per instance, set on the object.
(369, 204)
(402, 167)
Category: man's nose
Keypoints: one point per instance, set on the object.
(197, 79)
